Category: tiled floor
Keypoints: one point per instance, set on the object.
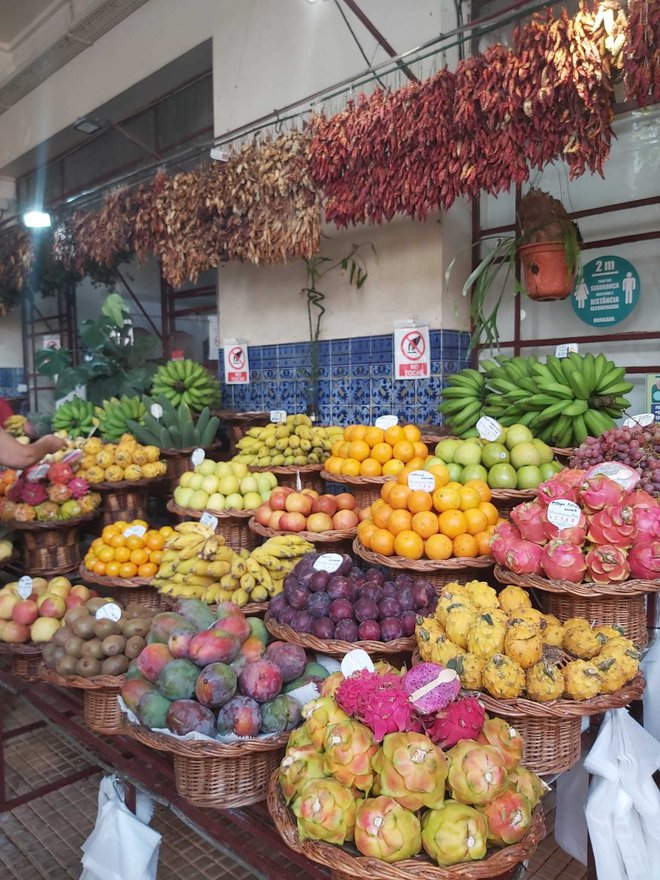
(41, 840)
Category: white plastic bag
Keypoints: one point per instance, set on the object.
(651, 668)
(570, 823)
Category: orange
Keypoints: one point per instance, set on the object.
(357, 432)
(134, 542)
(438, 547)
(382, 542)
(116, 540)
(370, 468)
(348, 432)
(399, 520)
(394, 434)
(476, 519)
(105, 554)
(147, 570)
(121, 525)
(491, 512)
(108, 532)
(333, 464)
(382, 452)
(403, 450)
(350, 467)
(89, 561)
(446, 499)
(387, 488)
(466, 545)
(425, 523)
(381, 515)
(398, 497)
(454, 484)
(469, 498)
(112, 569)
(392, 467)
(365, 530)
(412, 433)
(156, 556)
(419, 500)
(139, 557)
(402, 476)
(452, 523)
(482, 488)
(336, 446)
(421, 449)
(140, 522)
(359, 450)
(483, 543)
(122, 554)
(166, 531)
(374, 435)
(409, 544)
(99, 567)
(441, 474)
(127, 570)
(96, 543)
(344, 449)
(154, 540)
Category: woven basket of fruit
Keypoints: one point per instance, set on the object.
(25, 659)
(506, 499)
(233, 525)
(337, 540)
(125, 500)
(214, 774)
(50, 548)
(336, 647)
(345, 862)
(310, 475)
(100, 707)
(439, 572)
(365, 489)
(178, 462)
(586, 590)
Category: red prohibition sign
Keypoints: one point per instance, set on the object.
(413, 346)
(237, 358)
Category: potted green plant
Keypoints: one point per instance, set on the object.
(548, 245)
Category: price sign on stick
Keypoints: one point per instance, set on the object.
(329, 562)
(25, 587)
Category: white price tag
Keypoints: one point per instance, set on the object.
(197, 457)
(622, 474)
(299, 484)
(110, 611)
(642, 420)
(156, 410)
(421, 480)
(328, 562)
(356, 661)
(385, 422)
(563, 351)
(134, 530)
(207, 519)
(488, 428)
(25, 586)
(563, 514)
(278, 416)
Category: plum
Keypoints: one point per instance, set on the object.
(318, 604)
(390, 589)
(298, 597)
(356, 574)
(403, 580)
(408, 623)
(365, 609)
(287, 615)
(302, 622)
(323, 628)
(371, 591)
(346, 631)
(390, 629)
(339, 587)
(277, 605)
(318, 581)
(376, 576)
(369, 631)
(340, 609)
(406, 599)
(389, 607)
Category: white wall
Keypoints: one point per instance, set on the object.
(11, 340)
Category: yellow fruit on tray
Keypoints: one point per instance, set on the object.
(133, 472)
(503, 677)
(114, 473)
(95, 474)
(545, 682)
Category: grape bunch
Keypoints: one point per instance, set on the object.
(637, 447)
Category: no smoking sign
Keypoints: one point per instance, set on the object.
(237, 365)
(412, 355)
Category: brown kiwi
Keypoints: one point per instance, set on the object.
(74, 613)
(93, 605)
(61, 636)
(93, 648)
(114, 665)
(136, 627)
(88, 666)
(133, 646)
(73, 647)
(113, 645)
(84, 627)
(50, 655)
(67, 665)
(104, 628)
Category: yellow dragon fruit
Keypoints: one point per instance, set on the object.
(617, 646)
(455, 833)
(503, 677)
(385, 830)
(553, 632)
(458, 622)
(319, 714)
(523, 644)
(582, 642)
(545, 682)
(433, 643)
(582, 680)
(349, 747)
(483, 596)
(452, 594)
(513, 598)
(470, 670)
(477, 773)
(297, 767)
(527, 615)
(617, 669)
(486, 637)
(325, 810)
(411, 769)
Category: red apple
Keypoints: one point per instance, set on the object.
(25, 612)
(346, 501)
(15, 633)
(7, 602)
(311, 492)
(345, 519)
(59, 581)
(296, 502)
(325, 504)
(274, 519)
(365, 513)
(263, 514)
(52, 605)
(74, 601)
(319, 522)
(293, 521)
(93, 594)
(82, 591)
(277, 498)
(39, 586)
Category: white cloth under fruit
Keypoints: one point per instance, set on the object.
(623, 807)
(650, 666)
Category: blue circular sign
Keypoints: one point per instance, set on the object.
(608, 292)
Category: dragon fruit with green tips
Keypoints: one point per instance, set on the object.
(454, 833)
(411, 769)
(505, 738)
(385, 830)
(298, 766)
(319, 714)
(325, 810)
(477, 773)
(509, 817)
(349, 747)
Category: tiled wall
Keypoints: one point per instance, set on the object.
(356, 381)
(10, 379)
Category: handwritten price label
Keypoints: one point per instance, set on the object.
(329, 562)
(643, 420)
(25, 587)
(197, 457)
(385, 422)
(277, 416)
(207, 519)
(563, 514)
(421, 480)
(488, 428)
(135, 530)
(110, 611)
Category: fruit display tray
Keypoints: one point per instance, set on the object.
(346, 863)
(233, 524)
(586, 590)
(332, 537)
(100, 707)
(337, 647)
(104, 581)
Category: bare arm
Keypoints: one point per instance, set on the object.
(15, 455)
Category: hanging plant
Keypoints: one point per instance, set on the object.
(16, 261)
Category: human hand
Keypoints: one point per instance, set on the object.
(53, 443)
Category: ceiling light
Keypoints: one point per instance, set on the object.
(36, 219)
(87, 125)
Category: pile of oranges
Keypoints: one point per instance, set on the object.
(373, 452)
(452, 521)
(118, 555)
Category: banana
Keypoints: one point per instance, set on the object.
(557, 389)
(576, 408)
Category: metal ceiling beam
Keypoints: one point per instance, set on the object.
(380, 39)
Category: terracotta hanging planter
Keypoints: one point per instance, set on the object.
(546, 275)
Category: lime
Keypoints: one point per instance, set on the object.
(455, 471)
(517, 434)
(467, 453)
(474, 472)
(529, 477)
(544, 450)
(493, 453)
(523, 454)
(502, 476)
(445, 449)
(549, 469)
(431, 460)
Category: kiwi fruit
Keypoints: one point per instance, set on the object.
(136, 627)
(133, 646)
(73, 647)
(67, 665)
(61, 636)
(84, 627)
(74, 613)
(93, 648)
(88, 666)
(113, 645)
(114, 665)
(104, 628)
(52, 653)
(93, 605)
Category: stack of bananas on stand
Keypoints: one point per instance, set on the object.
(198, 564)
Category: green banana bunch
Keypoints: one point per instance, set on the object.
(463, 401)
(76, 417)
(175, 429)
(114, 415)
(186, 382)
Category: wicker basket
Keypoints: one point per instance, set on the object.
(506, 499)
(633, 587)
(178, 462)
(628, 613)
(126, 591)
(100, 707)
(337, 541)
(310, 475)
(348, 864)
(25, 659)
(126, 500)
(232, 525)
(439, 572)
(213, 774)
(563, 453)
(337, 648)
(366, 489)
(50, 548)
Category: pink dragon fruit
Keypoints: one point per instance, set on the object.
(523, 557)
(348, 749)
(505, 738)
(411, 769)
(600, 492)
(646, 522)
(644, 560)
(477, 773)
(78, 487)
(33, 493)
(574, 535)
(530, 519)
(60, 472)
(640, 498)
(614, 525)
(503, 537)
(563, 561)
(58, 493)
(462, 719)
(607, 564)
(445, 685)
(15, 491)
(379, 701)
(564, 485)
(509, 817)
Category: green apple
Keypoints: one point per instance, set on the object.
(494, 453)
(252, 500)
(248, 484)
(516, 434)
(272, 479)
(263, 483)
(524, 454)
(445, 449)
(265, 496)
(228, 485)
(195, 482)
(473, 472)
(455, 471)
(222, 468)
(235, 501)
(199, 500)
(184, 479)
(467, 453)
(502, 476)
(210, 484)
(240, 469)
(182, 496)
(544, 451)
(549, 469)
(431, 460)
(528, 477)
(216, 501)
(206, 468)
